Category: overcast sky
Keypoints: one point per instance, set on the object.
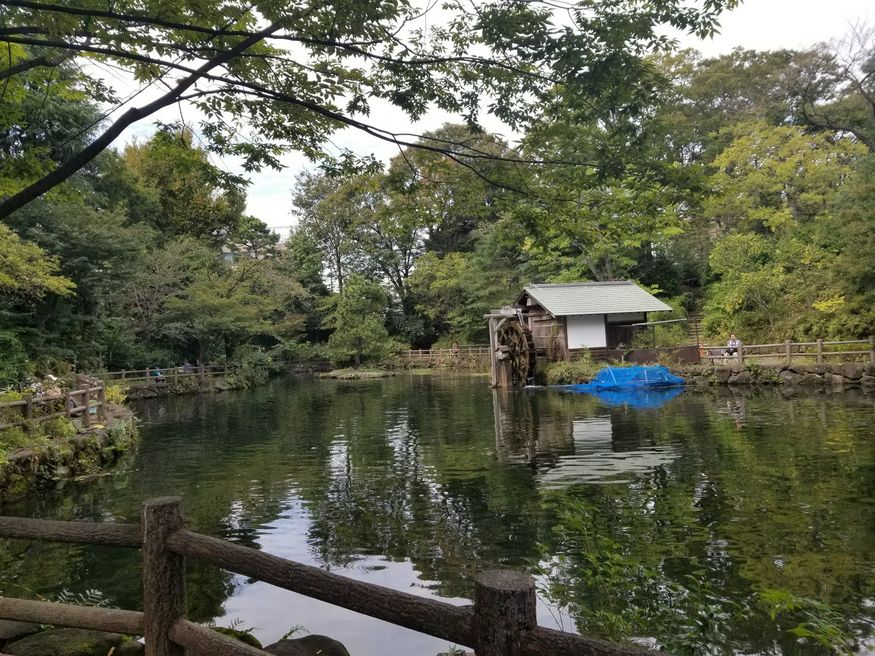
(756, 24)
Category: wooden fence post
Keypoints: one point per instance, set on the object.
(86, 413)
(872, 349)
(28, 409)
(101, 398)
(788, 351)
(741, 355)
(504, 611)
(123, 374)
(163, 576)
(819, 351)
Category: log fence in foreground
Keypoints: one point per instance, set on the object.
(501, 621)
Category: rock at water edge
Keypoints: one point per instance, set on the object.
(11, 630)
(66, 642)
(311, 645)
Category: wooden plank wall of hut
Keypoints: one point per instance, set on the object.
(548, 333)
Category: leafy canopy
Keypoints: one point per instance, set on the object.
(271, 76)
(26, 271)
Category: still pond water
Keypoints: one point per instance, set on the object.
(689, 524)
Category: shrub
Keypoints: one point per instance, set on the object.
(116, 394)
(9, 415)
(14, 365)
(121, 435)
(580, 370)
(59, 428)
(11, 439)
(251, 364)
(300, 352)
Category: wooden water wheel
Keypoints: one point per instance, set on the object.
(518, 349)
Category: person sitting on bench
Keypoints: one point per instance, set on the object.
(732, 346)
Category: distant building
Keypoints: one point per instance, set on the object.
(236, 252)
(556, 321)
(585, 314)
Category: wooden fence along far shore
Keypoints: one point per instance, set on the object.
(786, 352)
(501, 621)
(817, 351)
(35, 409)
(174, 374)
(461, 355)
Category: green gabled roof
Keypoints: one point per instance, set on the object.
(574, 298)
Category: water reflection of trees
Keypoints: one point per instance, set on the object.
(448, 474)
(415, 476)
(766, 505)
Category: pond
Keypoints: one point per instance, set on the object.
(690, 524)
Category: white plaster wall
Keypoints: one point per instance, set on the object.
(586, 330)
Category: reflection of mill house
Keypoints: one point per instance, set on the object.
(555, 321)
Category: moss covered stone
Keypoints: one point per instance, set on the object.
(242, 636)
(10, 630)
(66, 642)
(311, 645)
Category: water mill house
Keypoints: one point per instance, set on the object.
(555, 321)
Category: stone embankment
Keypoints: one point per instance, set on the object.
(356, 374)
(185, 386)
(81, 453)
(26, 639)
(810, 376)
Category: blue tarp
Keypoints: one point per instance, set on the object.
(629, 378)
(636, 387)
(637, 397)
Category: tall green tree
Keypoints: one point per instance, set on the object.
(588, 221)
(358, 322)
(452, 196)
(328, 216)
(709, 95)
(48, 112)
(773, 178)
(773, 266)
(196, 198)
(838, 90)
(26, 271)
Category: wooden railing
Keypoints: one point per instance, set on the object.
(36, 409)
(448, 354)
(786, 352)
(175, 374)
(501, 621)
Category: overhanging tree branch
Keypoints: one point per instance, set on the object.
(131, 116)
(501, 57)
(36, 62)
